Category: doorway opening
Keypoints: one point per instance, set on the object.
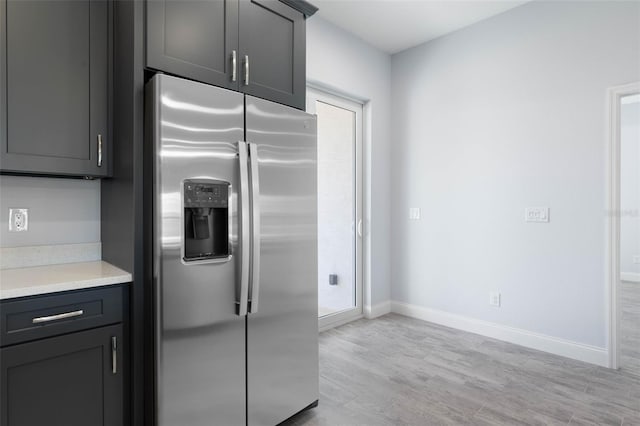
(624, 228)
(340, 180)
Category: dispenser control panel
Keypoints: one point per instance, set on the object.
(198, 194)
(206, 221)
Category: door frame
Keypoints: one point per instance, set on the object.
(315, 92)
(614, 95)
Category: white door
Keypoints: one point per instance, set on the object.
(340, 224)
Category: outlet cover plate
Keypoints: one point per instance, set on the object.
(636, 259)
(495, 299)
(18, 220)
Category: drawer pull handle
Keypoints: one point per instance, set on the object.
(56, 317)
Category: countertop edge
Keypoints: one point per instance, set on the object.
(119, 277)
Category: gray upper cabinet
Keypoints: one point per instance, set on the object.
(273, 50)
(196, 39)
(54, 87)
(254, 46)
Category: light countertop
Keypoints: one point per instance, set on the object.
(32, 281)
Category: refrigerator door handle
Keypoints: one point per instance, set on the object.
(244, 230)
(254, 293)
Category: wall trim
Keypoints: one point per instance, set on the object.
(337, 322)
(529, 339)
(362, 209)
(335, 91)
(633, 277)
(612, 229)
(377, 310)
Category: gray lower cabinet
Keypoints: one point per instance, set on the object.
(70, 380)
(255, 46)
(62, 359)
(54, 87)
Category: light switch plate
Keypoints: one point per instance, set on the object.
(414, 213)
(536, 214)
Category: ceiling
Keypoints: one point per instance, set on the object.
(396, 25)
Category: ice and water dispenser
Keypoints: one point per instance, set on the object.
(206, 220)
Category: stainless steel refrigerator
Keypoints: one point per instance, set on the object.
(235, 256)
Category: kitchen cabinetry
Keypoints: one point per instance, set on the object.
(62, 359)
(194, 39)
(255, 46)
(54, 87)
(273, 41)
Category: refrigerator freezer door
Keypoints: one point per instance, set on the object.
(282, 336)
(200, 340)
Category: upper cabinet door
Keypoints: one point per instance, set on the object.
(272, 52)
(196, 39)
(54, 87)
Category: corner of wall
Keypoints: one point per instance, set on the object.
(377, 310)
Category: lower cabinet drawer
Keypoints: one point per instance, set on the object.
(38, 317)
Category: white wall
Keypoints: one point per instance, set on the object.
(345, 64)
(61, 211)
(505, 114)
(630, 187)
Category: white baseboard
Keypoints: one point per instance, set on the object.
(632, 277)
(341, 320)
(541, 342)
(377, 310)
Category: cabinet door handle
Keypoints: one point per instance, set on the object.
(99, 150)
(233, 65)
(114, 354)
(50, 318)
(246, 70)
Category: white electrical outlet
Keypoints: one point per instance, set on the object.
(414, 213)
(18, 220)
(636, 259)
(536, 214)
(494, 299)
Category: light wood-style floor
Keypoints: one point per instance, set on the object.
(400, 371)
